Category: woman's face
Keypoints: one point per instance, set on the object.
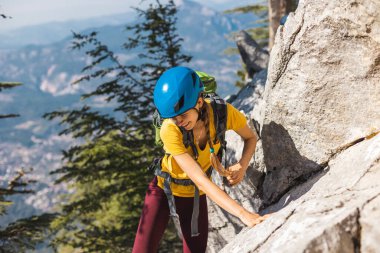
(188, 119)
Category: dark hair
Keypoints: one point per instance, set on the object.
(205, 116)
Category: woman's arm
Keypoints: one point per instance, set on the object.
(238, 170)
(195, 173)
(250, 141)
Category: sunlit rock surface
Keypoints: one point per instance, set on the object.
(320, 141)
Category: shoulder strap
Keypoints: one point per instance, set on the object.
(157, 123)
(188, 140)
(219, 107)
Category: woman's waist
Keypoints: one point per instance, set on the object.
(179, 190)
(181, 187)
(177, 175)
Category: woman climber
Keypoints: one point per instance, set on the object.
(182, 178)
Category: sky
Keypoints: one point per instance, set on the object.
(31, 12)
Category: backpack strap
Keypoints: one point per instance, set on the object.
(188, 140)
(157, 123)
(219, 107)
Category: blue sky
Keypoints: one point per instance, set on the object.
(31, 12)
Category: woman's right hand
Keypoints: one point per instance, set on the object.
(252, 219)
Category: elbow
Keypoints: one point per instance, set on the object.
(252, 139)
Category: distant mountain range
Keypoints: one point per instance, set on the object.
(40, 58)
(48, 33)
(46, 70)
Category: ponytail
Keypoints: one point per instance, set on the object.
(205, 116)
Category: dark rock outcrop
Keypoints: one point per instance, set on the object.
(254, 57)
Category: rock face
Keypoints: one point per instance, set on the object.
(254, 57)
(223, 226)
(334, 211)
(320, 133)
(323, 89)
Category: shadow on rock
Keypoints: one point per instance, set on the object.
(247, 190)
(286, 167)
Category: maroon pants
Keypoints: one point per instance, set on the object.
(155, 218)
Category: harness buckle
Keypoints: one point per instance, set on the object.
(156, 162)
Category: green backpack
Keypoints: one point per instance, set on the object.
(220, 115)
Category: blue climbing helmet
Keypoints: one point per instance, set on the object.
(177, 91)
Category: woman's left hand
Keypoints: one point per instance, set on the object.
(237, 174)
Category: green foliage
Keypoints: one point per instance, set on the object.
(8, 85)
(256, 8)
(264, 21)
(14, 186)
(231, 51)
(110, 183)
(107, 172)
(3, 116)
(260, 35)
(22, 234)
(242, 77)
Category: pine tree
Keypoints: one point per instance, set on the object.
(108, 170)
(8, 85)
(22, 234)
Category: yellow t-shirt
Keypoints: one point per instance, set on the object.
(171, 136)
